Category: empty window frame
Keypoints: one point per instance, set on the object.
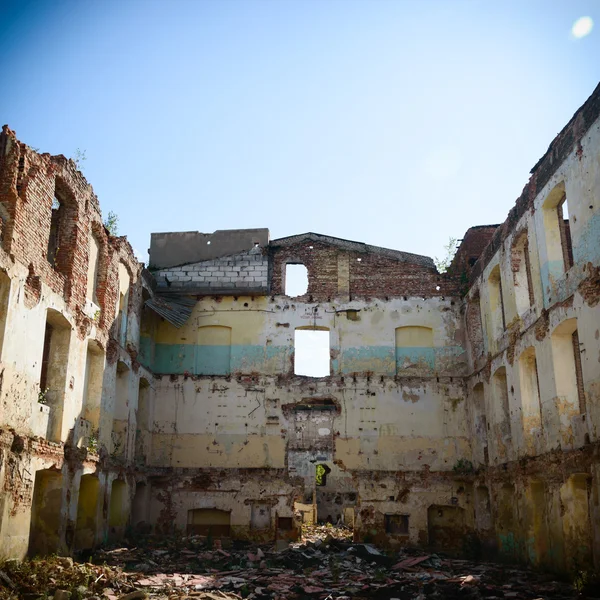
(497, 316)
(568, 372)
(295, 279)
(559, 248)
(521, 268)
(312, 352)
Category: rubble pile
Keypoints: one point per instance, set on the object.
(324, 565)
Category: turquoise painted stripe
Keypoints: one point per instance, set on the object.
(415, 357)
(378, 359)
(223, 360)
(212, 360)
(146, 353)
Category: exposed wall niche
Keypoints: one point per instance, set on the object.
(559, 250)
(312, 354)
(414, 348)
(568, 374)
(143, 430)
(44, 531)
(531, 407)
(213, 350)
(521, 269)
(501, 409)
(480, 423)
(121, 413)
(54, 368)
(139, 508)
(497, 316)
(92, 389)
(295, 279)
(118, 507)
(87, 512)
(209, 521)
(4, 297)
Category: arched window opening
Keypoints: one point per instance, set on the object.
(312, 353)
(559, 247)
(296, 279)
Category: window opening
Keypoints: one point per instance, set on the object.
(312, 352)
(296, 279)
(566, 354)
(565, 232)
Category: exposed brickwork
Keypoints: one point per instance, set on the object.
(28, 184)
(472, 245)
(371, 274)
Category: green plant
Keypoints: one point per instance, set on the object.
(42, 396)
(463, 465)
(112, 223)
(79, 158)
(93, 441)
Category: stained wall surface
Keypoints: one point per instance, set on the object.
(456, 410)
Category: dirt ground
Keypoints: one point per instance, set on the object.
(324, 565)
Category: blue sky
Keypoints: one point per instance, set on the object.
(395, 123)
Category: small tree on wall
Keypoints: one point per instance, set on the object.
(442, 264)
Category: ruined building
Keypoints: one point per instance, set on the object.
(459, 411)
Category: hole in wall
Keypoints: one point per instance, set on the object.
(296, 280)
(311, 353)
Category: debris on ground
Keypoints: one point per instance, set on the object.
(325, 565)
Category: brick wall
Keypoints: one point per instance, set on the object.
(28, 184)
(245, 272)
(335, 272)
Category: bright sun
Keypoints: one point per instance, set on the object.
(582, 27)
